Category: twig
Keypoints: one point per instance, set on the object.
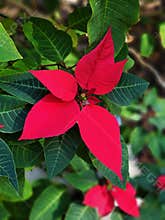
(147, 66)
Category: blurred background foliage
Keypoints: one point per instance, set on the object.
(142, 122)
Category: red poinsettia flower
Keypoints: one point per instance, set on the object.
(160, 182)
(96, 73)
(103, 199)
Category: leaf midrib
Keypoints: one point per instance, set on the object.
(50, 204)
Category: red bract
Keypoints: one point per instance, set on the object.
(1, 126)
(160, 183)
(53, 115)
(103, 199)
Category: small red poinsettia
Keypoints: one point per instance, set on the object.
(96, 73)
(1, 126)
(103, 199)
(160, 182)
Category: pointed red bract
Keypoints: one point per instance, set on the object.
(126, 199)
(60, 83)
(100, 131)
(99, 197)
(160, 183)
(97, 69)
(50, 117)
(1, 126)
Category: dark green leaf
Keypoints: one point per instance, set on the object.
(12, 114)
(117, 14)
(83, 180)
(51, 43)
(24, 86)
(7, 165)
(4, 214)
(59, 151)
(79, 212)
(26, 155)
(8, 51)
(79, 18)
(129, 88)
(8, 192)
(46, 204)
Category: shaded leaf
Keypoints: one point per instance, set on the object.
(24, 86)
(8, 51)
(129, 88)
(59, 151)
(79, 18)
(26, 155)
(79, 212)
(12, 114)
(83, 180)
(7, 165)
(4, 214)
(51, 43)
(115, 14)
(46, 204)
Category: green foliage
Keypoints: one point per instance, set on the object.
(47, 179)
(7, 47)
(4, 214)
(129, 88)
(79, 212)
(82, 180)
(7, 166)
(23, 85)
(51, 43)
(115, 14)
(146, 45)
(26, 154)
(162, 33)
(12, 113)
(79, 18)
(47, 204)
(59, 151)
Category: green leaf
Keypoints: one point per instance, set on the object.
(83, 180)
(51, 43)
(47, 204)
(106, 172)
(117, 14)
(146, 45)
(116, 216)
(79, 18)
(7, 165)
(158, 122)
(137, 139)
(12, 114)
(79, 212)
(59, 151)
(8, 51)
(4, 214)
(153, 144)
(31, 60)
(79, 164)
(162, 33)
(129, 64)
(24, 86)
(8, 192)
(9, 25)
(26, 154)
(129, 88)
